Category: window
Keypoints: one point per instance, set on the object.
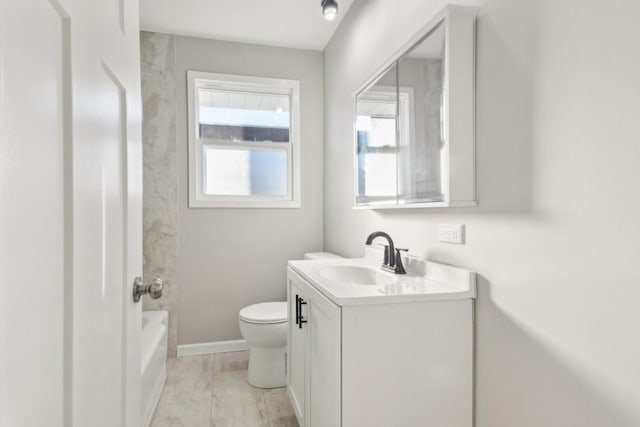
(377, 148)
(379, 152)
(244, 141)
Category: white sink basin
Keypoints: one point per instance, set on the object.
(355, 275)
(356, 281)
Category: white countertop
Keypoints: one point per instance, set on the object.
(425, 280)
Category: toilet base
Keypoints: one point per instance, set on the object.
(267, 367)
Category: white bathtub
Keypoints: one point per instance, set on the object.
(154, 360)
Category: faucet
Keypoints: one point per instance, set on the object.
(392, 260)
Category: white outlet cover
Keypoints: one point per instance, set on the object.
(451, 233)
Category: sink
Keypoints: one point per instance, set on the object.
(359, 281)
(355, 275)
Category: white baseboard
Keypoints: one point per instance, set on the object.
(212, 347)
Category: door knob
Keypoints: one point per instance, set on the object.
(153, 288)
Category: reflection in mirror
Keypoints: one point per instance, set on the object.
(376, 130)
(421, 157)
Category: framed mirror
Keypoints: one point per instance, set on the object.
(414, 121)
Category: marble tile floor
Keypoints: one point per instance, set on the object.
(212, 391)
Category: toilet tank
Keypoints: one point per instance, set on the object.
(321, 255)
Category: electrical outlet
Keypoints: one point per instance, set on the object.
(451, 233)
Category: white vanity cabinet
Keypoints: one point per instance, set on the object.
(313, 362)
(356, 362)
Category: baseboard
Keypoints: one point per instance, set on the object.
(212, 347)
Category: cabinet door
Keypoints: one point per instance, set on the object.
(314, 355)
(296, 355)
(324, 361)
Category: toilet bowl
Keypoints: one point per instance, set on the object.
(264, 326)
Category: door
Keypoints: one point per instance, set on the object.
(70, 213)
(324, 361)
(314, 357)
(296, 354)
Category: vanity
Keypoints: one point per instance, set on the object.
(393, 346)
(367, 347)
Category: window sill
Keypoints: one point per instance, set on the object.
(289, 204)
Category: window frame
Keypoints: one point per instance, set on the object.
(216, 81)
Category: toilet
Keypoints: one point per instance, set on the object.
(264, 326)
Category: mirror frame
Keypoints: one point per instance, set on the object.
(458, 174)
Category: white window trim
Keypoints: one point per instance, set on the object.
(197, 198)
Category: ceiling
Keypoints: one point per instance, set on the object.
(286, 23)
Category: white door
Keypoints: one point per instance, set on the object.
(324, 361)
(70, 213)
(296, 354)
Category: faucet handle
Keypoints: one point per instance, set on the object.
(386, 255)
(399, 267)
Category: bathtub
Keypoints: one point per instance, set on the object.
(154, 360)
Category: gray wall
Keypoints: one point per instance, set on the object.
(556, 237)
(230, 258)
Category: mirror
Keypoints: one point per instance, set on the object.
(403, 157)
(420, 159)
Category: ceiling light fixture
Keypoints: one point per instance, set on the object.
(329, 9)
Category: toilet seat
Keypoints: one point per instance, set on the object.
(265, 313)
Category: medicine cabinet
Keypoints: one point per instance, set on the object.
(414, 120)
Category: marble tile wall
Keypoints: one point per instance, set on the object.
(160, 218)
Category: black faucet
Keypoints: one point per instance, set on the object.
(392, 260)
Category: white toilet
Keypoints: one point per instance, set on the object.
(264, 326)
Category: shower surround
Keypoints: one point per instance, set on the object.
(160, 220)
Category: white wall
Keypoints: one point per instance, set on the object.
(556, 237)
(230, 258)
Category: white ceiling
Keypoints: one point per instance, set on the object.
(286, 23)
